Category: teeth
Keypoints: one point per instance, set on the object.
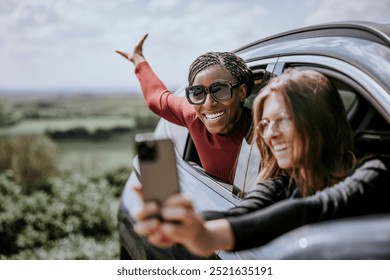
(280, 147)
(214, 116)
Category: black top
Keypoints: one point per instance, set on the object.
(273, 208)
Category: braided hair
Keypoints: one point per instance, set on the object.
(233, 63)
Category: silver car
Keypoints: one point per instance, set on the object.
(356, 57)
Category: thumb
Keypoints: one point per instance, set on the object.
(138, 189)
(124, 54)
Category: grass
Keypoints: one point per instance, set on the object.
(41, 126)
(95, 158)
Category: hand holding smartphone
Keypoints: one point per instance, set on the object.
(157, 163)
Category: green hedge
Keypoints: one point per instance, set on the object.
(71, 206)
(32, 159)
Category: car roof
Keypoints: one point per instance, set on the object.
(375, 32)
(363, 44)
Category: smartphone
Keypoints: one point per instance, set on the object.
(157, 166)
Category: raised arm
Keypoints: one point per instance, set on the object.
(158, 98)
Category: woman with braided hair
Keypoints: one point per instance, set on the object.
(212, 111)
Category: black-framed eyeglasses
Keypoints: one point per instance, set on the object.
(219, 91)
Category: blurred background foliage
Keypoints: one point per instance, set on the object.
(63, 163)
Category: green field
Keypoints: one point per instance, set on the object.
(93, 140)
(118, 118)
(41, 126)
(92, 156)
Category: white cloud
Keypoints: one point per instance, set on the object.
(341, 10)
(82, 35)
(175, 41)
(163, 6)
(71, 43)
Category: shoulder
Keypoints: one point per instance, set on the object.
(276, 186)
(372, 170)
(378, 162)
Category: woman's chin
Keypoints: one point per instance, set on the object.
(216, 130)
(284, 163)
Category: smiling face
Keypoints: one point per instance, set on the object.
(219, 117)
(279, 140)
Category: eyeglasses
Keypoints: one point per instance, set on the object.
(281, 123)
(219, 91)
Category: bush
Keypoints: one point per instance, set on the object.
(72, 205)
(32, 159)
(146, 122)
(74, 247)
(9, 115)
(117, 179)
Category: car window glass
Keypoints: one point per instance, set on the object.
(261, 77)
(348, 98)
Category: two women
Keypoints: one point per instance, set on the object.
(309, 173)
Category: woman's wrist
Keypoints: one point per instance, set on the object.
(221, 235)
(137, 59)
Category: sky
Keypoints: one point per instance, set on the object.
(57, 46)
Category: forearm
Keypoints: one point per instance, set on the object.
(262, 196)
(158, 98)
(205, 240)
(152, 87)
(258, 228)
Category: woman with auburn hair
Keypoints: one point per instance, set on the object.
(323, 140)
(309, 173)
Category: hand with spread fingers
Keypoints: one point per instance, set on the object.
(137, 56)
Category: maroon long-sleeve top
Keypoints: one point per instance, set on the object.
(217, 154)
